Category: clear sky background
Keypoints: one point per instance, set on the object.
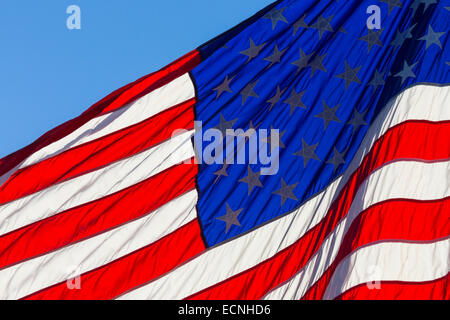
(49, 74)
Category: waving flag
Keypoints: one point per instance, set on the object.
(124, 202)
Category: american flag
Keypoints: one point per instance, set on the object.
(114, 204)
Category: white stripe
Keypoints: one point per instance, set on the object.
(396, 180)
(391, 261)
(417, 103)
(421, 102)
(96, 184)
(400, 180)
(32, 275)
(173, 93)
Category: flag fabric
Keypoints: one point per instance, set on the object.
(115, 203)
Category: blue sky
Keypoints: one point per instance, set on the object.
(49, 74)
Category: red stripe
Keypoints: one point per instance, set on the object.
(257, 281)
(97, 216)
(390, 220)
(98, 153)
(139, 267)
(395, 290)
(113, 101)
